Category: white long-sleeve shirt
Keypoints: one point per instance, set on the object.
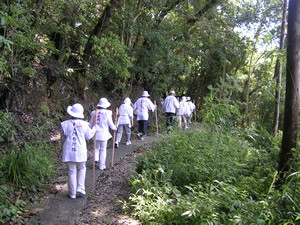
(171, 104)
(125, 114)
(104, 122)
(75, 133)
(192, 106)
(187, 108)
(142, 105)
(181, 109)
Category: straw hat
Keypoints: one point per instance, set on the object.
(76, 111)
(145, 94)
(103, 102)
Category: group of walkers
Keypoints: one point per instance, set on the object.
(75, 131)
(182, 110)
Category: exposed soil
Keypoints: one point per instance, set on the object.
(104, 207)
(101, 205)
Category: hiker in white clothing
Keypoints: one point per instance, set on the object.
(104, 122)
(187, 115)
(125, 121)
(141, 107)
(192, 107)
(181, 112)
(74, 133)
(170, 107)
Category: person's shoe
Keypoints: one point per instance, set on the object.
(81, 192)
(117, 145)
(128, 142)
(72, 196)
(140, 135)
(102, 168)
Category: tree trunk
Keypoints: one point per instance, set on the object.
(221, 95)
(102, 25)
(291, 109)
(248, 86)
(278, 72)
(124, 22)
(138, 13)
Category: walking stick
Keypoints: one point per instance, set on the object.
(195, 112)
(114, 140)
(94, 151)
(156, 117)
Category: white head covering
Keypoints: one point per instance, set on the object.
(103, 102)
(145, 94)
(76, 111)
(172, 92)
(184, 98)
(127, 101)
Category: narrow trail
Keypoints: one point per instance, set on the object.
(111, 184)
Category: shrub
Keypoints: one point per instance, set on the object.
(29, 166)
(26, 161)
(9, 208)
(8, 130)
(207, 177)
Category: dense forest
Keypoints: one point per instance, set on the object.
(233, 58)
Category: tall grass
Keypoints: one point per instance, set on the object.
(208, 177)
(30, 166)
(26, 162)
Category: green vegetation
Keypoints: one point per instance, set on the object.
(9, 208)
(24, 165)
(223, 54)
(31, 166)
(208, 177)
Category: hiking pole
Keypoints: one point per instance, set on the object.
(195, 112)
(156, 117)
(114, 140)
(94, 151)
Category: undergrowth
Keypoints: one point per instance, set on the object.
(211, 177)
(26, 163)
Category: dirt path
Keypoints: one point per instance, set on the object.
(100, 206)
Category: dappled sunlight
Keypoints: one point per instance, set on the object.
(124, 219)
(98, 213)
(55, 136)
(61, 187)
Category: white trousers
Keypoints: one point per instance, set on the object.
(120, 132)
(76, 177)
(100, 151)
(180, 120)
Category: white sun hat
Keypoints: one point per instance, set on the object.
(76, 111)
(172, 92)
(103, 102)
(145, 94)
(127, 101)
